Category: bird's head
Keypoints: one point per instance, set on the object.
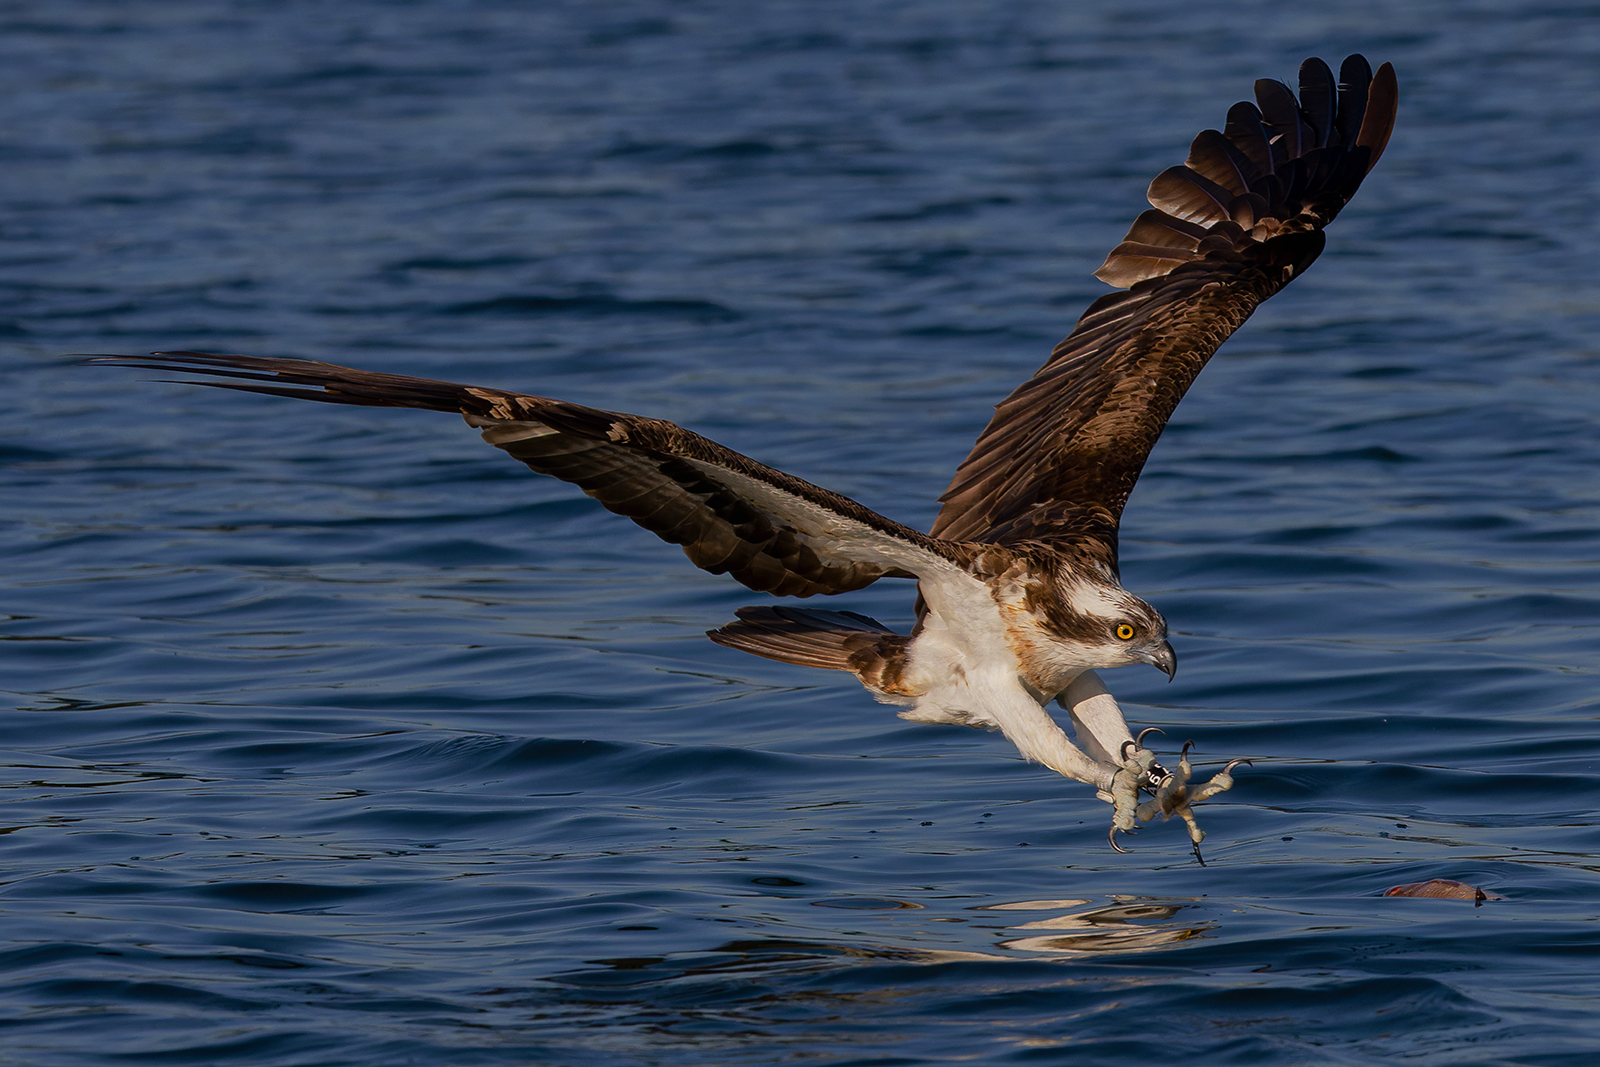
(1098, 624)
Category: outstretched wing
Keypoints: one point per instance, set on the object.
(773, 532)
(1229, 229)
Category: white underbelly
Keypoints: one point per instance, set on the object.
(962, 665)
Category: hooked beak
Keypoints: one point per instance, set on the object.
(1163, 658)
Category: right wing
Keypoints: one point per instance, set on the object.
(773, 532)
(1228, 230)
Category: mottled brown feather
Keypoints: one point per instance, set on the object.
(1062, 453)
(672, 482)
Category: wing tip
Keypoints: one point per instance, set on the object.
(1377, 122)
(1356, 111)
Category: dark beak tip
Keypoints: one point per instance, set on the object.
(1166, 661)
(1162, 658)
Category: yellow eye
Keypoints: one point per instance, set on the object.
(1125, 632)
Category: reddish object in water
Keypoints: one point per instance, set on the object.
(1442, 887)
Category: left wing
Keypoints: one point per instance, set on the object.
(1228, 230)
(772, 531)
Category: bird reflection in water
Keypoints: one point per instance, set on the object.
(1128, 926)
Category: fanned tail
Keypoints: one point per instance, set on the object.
(831, 640)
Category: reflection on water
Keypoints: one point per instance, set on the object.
(1129, 927)
(1126, 926)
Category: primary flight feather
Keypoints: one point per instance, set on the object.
(1019, 595)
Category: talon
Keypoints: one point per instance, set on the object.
(1173, 794)
(1130, 778)
(1139, 741)
(1220, 782)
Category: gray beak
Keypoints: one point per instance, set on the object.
(1164, 659)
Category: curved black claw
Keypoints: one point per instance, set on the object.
(1229, 768)
(1138, 742)
(1187, 745)
(1111, 839)
(1197, 855)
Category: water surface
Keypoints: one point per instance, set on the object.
(334, 737)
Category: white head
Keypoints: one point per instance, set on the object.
(1082, 621)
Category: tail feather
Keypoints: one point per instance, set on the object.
(831, 640)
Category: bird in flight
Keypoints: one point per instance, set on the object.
(1019, 597)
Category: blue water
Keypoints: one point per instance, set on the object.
(331, 736)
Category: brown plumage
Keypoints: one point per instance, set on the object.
(1018, 596)
(1240, 220)
(678, 485)
(832, 640)
(1051, 473)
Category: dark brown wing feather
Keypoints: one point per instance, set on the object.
(1234, 225)
(771, 531)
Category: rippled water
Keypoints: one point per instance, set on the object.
(334, 737)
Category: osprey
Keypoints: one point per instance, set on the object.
(1019, 599)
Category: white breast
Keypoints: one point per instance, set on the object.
(968, 674)
(962, 663)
